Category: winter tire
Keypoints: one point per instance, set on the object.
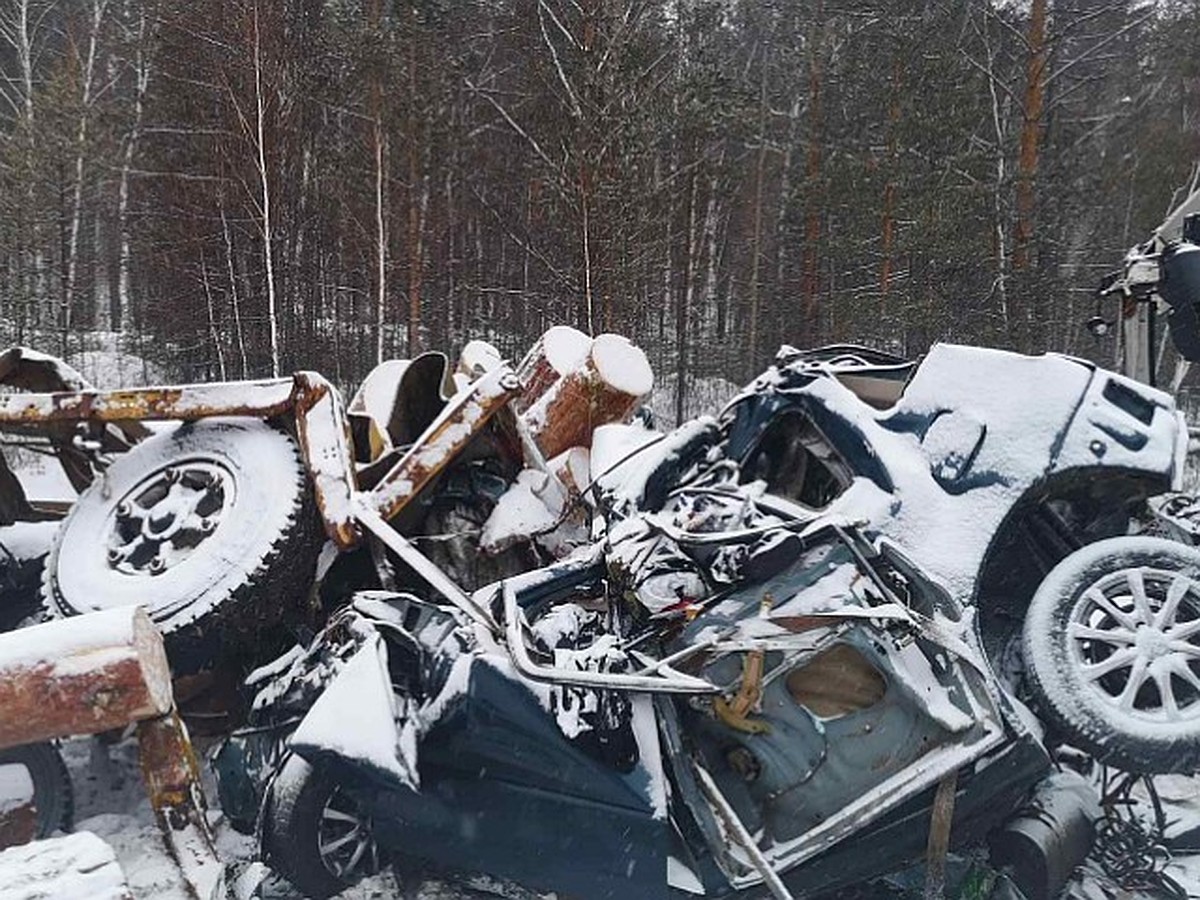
(208, 526)
(1112, 650)
(314, 833)
(47, 774)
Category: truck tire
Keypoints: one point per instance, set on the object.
(1112, 649)
(53, 797)
(209, 526)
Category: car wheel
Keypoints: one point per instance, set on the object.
(37, 772)
(315, 833)
(1112, 650)
(209, 526)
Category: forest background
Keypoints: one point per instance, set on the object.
(236, 188)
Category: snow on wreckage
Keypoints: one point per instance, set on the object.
(714, 662)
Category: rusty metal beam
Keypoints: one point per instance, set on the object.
(467, 414)
(262, 399)
(324, 434)
(172, 778)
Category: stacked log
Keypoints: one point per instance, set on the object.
(559, 351)
(606, 387)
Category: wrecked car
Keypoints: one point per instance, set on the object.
(787, 634)
(785, 733)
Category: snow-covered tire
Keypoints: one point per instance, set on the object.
(1112, 651)
(209, 526)
(307, 832)
(53, 797)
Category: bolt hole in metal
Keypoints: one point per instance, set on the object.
(167, 516)
(345, 839)
(1135, 635)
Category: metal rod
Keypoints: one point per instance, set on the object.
(714, 796)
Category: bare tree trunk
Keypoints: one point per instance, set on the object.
(87, 75)
(264, 181)
(684, 311)
(889, 190)
(417, 206)
(585, 222)
(380, 241)
(218, 344)
(810, 279)
(756, 240)
(418, 200)
(1031, 133)
(1000, 234)
(376, 99)
(233, 291)
(121, 301)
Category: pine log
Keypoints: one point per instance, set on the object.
(82, 675)
(559, 351)
(606, 388)
(79, 866)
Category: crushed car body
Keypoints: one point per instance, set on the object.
(749, 654)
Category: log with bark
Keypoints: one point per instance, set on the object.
(605, 388)
(82, 675)
(558, 352)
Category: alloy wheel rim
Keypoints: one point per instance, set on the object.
(345, 839)
(1135, 639)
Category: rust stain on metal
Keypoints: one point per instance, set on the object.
(168, 762)
(324, 435)
(459, 423)
(262, 399)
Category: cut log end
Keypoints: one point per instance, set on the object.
(82, 675)
(560, 351)
(622, 365)
(606, 388)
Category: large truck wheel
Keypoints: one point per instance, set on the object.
(208, 526)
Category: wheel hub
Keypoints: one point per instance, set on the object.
(1151, 643)
(167, 516)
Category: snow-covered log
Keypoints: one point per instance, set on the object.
(79, 866)
(81, 675)
(606, 388)
(559, 351)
